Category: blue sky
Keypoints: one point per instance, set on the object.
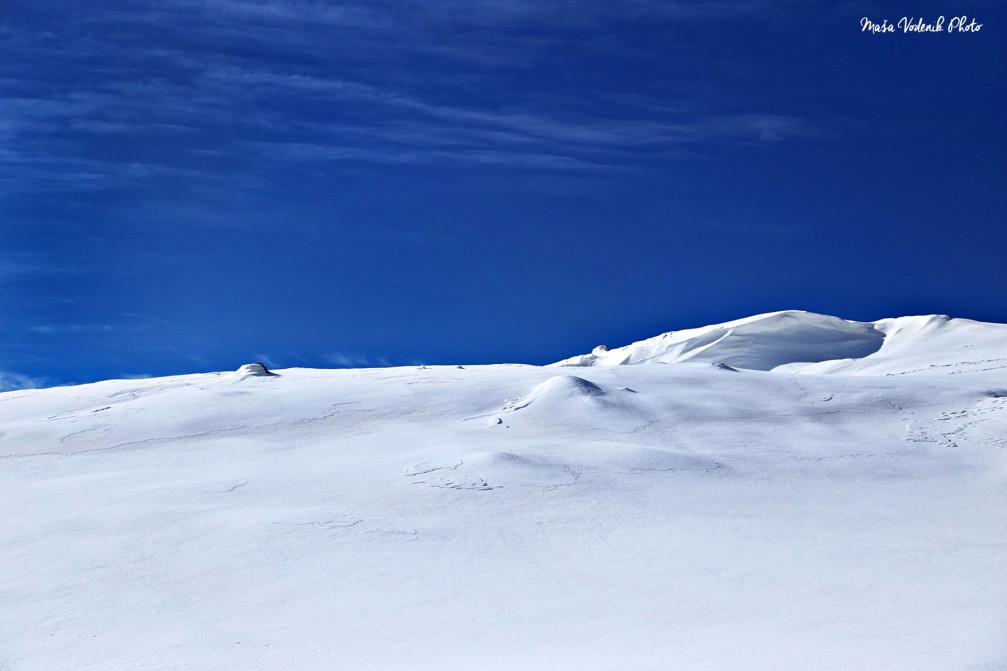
(187, 185)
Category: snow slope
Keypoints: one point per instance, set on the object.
(798, 341)
(499, 517)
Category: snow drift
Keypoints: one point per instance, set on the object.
(797, 341)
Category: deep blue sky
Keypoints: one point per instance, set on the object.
(187, 185)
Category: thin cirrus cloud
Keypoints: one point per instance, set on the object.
(11, 381)
(20, 267)
(382, 127)
(356, 360)
(59, 329)
(175, 103)
(382, 14)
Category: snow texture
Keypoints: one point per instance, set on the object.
(827, 495)
(797, 341)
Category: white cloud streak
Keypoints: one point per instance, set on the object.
(10, 381)
(120, 125)
(354, 360)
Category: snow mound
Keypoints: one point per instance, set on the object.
(558, 389)
(565, 403)
(762, 342)
(252, 370)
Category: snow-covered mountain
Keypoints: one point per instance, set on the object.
(750, 515)
(798, 341)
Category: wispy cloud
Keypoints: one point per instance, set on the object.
(355, 360)
(758, 128)
(28, 266)
(59, 329)
(10, 381)
(384, 14)
(267, 360)
(253, 81)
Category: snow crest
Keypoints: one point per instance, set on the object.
(806, 342)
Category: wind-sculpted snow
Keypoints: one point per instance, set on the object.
(252, 370)
(796, 341)
(758, 343)
(689, 516)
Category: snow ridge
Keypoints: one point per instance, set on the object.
(806, 342)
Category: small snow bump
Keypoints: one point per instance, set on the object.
(254, 370)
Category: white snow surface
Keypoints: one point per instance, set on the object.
(686, 516)
(798, 341)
